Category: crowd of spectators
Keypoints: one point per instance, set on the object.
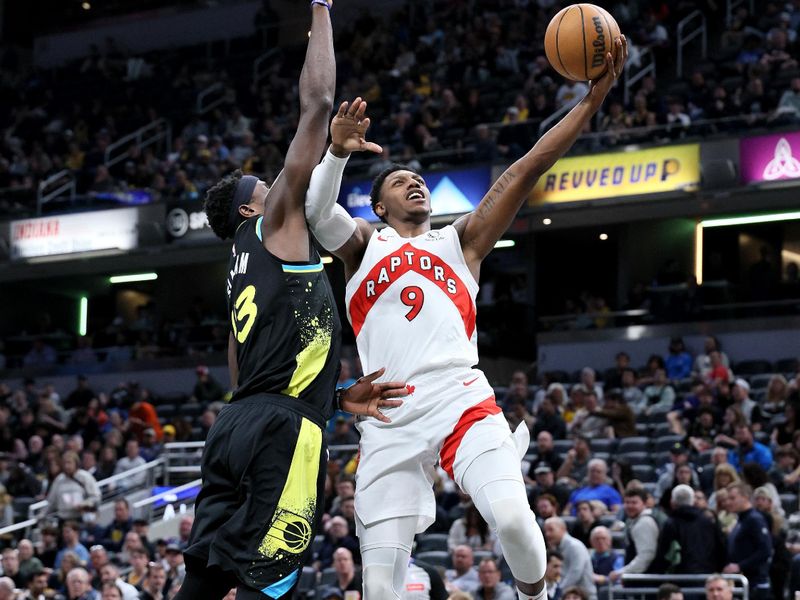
(57, 448)
(688, 465)
(434, 73)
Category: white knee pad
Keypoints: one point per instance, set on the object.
(379, 584)
(384, 573)
(522, 541)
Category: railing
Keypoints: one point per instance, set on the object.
(205, 105)
(632, 79)
(110, 487)
(685, 37)
(59, 182)
(183, 458)
(732, 5)
(555, 117)
(635, 586)
(23, 526)
(261, 65)
(150, 134)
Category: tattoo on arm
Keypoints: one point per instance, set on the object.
(491, 198)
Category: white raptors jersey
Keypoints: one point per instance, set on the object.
(412, 305)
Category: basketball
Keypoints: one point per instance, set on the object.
(577, 40)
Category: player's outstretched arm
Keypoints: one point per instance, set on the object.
(480, 230)
(330, 223)
(284, 216)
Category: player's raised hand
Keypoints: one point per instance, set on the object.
(616, 64)
(349, 128)
(365, 397)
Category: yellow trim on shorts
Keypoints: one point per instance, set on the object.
(291, 526)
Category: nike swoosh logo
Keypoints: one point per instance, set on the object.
(470, 382)
(382, 239)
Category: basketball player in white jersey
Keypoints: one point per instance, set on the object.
(411, 301)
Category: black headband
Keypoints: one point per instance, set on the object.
(242, 195)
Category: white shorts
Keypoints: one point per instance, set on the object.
(449, 418)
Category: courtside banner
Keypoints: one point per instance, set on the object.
(452, 192)
(69, 234)
(615, 174)
(770, 157)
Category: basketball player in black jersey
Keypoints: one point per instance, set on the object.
(264, 462)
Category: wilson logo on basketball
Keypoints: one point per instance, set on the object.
(599, 44)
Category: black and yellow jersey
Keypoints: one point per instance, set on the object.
(285, 323)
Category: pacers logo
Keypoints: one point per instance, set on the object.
(784, 165)
(289, 532)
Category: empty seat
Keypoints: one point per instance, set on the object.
(435, 558)
(758, 382)
(789, 503)
(644, 473)
(479, 555)
(665, 442)
(661, 458)
(167, 410)
(657, 417)
(603, 445)
(327, 577)
(308, 580)
(752, 367)
(190, 410)
(636, 458)
(633, 444)
(787, 365)
(608, 521)
(618, 540)
(562, 446)
(602, 456)
(661, 430)
(432, 541)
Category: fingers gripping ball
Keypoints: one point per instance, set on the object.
(577, 40)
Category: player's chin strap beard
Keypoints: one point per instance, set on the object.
(242, 195)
